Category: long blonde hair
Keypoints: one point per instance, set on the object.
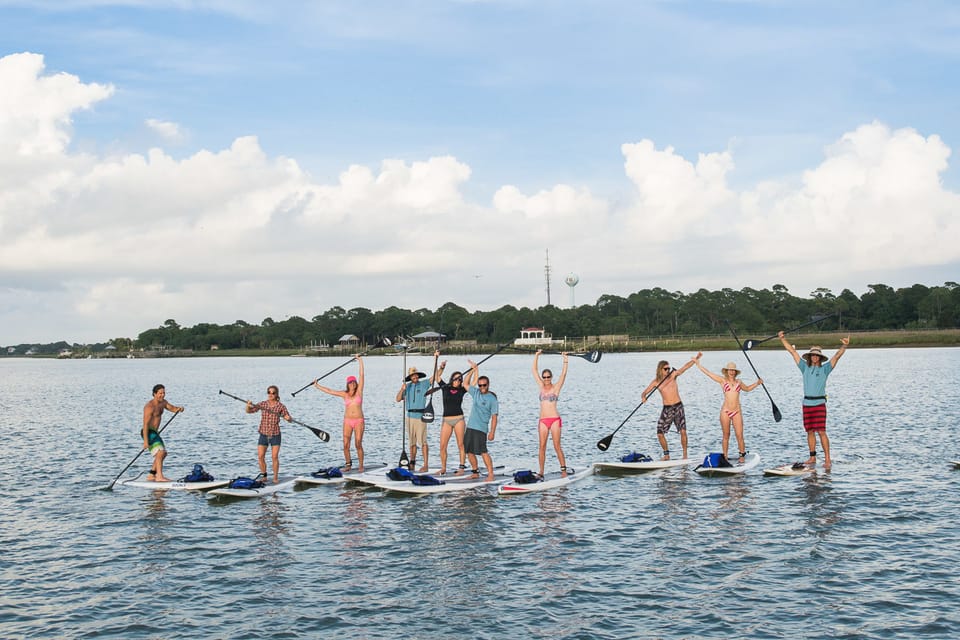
(660, 374)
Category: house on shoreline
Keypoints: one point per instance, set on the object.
(535, 336)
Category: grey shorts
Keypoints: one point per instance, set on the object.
(475, 442)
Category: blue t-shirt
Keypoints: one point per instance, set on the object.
(814, 381)
(416, 396)
(485, 406)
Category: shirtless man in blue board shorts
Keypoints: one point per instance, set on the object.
(152, 412)
(672, 412)
(482, 425)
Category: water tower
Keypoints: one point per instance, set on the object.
(572, 279)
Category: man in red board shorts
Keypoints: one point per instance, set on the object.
(815, 369)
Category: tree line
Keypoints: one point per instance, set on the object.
(648, 312)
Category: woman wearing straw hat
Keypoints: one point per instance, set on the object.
(730, 411)
(815, 368)
(353, 422)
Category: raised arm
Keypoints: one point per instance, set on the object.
(563, 373)
(693, 361)
(751, 387)
(536, 367)
(436, 371)
(709, 374)
(470, 377)
(789, 347)
(333, 392)
(359, 374)
(844, 343)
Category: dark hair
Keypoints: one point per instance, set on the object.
(456, 374)
(157, 387)
(275, 388)
(482, 378)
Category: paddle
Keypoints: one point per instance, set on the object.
(404, 460)
(109, 487)
(590, 356)
(320, 433)
(776, 412)
(750, 344)
(498, 350)
(604, 443)
(382, 342)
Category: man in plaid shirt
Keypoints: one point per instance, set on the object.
(270, 412)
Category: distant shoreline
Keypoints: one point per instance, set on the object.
(720, 342)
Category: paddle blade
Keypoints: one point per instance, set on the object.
(427, 415)
(748, 344)
(604, 444)
(777, 417)
(594, 356)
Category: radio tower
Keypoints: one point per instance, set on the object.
(546, 275)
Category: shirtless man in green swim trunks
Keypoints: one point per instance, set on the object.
(152, 412)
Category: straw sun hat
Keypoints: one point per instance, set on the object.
(731, 366)
(814, 351)
(412, 371)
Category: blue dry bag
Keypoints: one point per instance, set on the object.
(525, 476)
(425, 480)
(715, 460)
(399, 473)
(633, 456)
(331, 472)
(245, 483)
(197, 475)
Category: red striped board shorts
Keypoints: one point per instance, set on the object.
(815, 417)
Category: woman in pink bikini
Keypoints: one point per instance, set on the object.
(352, 414)
(550, 422)
(730, 411)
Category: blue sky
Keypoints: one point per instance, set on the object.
(501, 119)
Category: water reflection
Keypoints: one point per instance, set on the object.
(270, 531)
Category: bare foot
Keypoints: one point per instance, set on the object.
(360, 469)
(459, 472)
(423, 469)
(276, 480)
(490, 478)
(474, 475)
(827, 464)
(811, 461)
(666, 457)
(164, 479)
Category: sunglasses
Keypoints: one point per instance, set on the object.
(483, 386)
(547, 377)
(271, 393)
(666, 367)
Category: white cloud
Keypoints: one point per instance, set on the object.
(113, 245)
(36, 109)
(169, 131)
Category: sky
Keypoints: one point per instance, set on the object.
(223, 160)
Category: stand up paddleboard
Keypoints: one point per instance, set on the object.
(640, 467)
(284, 483)
(549, 481)
(380, 477)
(792, 469)
(955, 463)
(409, 488)
(345, 476)
(750, 461)
(174, 485)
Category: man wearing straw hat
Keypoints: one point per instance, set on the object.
(415, 389)
(815, 369)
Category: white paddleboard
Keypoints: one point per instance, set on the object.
(788, 470)
(175, 485)
(379, 477)
(955, 463)
(347, 475)
(550, 481)
(621, 467)
(284, 483)
(751, 461)
(409, 488)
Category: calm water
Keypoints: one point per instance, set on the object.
(868, 550)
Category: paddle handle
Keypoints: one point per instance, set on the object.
(777, 416)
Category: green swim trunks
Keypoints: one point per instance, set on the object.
(154, 442)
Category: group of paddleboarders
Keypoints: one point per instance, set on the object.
(473, 434)
(814, 367)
